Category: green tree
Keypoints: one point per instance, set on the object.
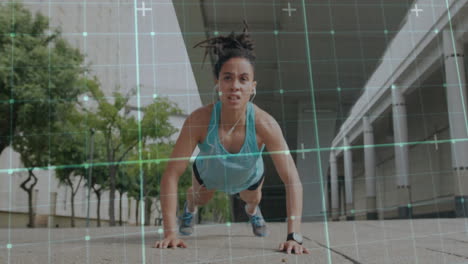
(39, 71)
(148, 185)
(155, 157)
(99, 185)
(30, 148)
(97, 175)
(122, 132)
(69, 148)
(133, 189)
(122, 186)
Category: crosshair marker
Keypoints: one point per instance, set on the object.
(143, 8)
(289, 9)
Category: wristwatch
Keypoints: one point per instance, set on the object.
(296, 237)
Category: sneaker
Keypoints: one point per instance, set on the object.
(186, 222)
(258, 223)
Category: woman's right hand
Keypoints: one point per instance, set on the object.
(170, 242)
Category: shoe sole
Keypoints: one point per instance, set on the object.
(261, 235)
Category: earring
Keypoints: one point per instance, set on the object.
(218, 91)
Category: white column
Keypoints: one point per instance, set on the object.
(400, 131)
(369, 165)
(458, 120)
(334, 185)
(348, 168)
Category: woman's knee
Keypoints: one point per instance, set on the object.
(205, 197)
(200, 197)
(251, 197)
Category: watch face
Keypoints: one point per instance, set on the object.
(297, 237)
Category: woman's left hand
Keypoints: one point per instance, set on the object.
(292, 246)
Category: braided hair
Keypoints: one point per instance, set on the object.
(227, 47)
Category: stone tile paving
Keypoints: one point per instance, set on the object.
(425, 241)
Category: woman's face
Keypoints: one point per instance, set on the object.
(236, 83)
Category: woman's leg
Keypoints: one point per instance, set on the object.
(252, 198)
(197, 195)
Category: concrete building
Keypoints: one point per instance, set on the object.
(407, 131)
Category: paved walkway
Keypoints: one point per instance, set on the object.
(398, 241)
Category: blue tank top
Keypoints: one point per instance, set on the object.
(228, 172)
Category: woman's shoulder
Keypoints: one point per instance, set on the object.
(264, 122)
(262, 117)
(199, 119)
(201, 115)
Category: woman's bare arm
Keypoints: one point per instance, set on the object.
(275, 143)
(272, 136)
(183, 149)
